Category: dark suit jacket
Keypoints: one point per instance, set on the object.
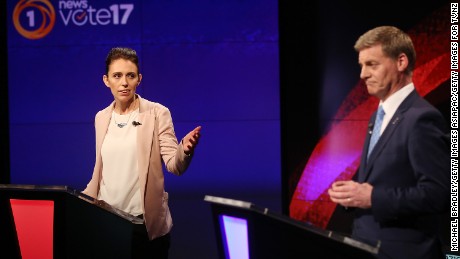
(409, 170)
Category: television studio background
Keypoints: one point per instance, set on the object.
(274, 85)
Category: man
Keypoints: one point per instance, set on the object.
(403, 183)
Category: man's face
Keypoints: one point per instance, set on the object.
(379, 72)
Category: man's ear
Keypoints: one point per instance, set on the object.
(402, 62)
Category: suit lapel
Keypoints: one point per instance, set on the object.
(386, 135)
(102, 125)
(148, 121)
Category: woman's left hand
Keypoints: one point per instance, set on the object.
(190, 140)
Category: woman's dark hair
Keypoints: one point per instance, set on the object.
(121, 53)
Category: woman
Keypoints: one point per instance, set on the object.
(133, 137)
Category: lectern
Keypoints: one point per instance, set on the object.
(60, 222)
(244, 231)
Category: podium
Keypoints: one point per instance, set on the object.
(60, 222)
(244, 230)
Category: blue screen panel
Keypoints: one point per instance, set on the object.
(235, 235)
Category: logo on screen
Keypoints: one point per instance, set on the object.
(38, 18)
(34, 19)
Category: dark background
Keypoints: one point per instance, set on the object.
(319, 69)
(260, 123)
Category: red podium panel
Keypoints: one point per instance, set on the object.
(60, 222)
(33, 220)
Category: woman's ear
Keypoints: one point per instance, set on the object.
(140, 79)
(105, 80)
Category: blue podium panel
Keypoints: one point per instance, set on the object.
(244, 230)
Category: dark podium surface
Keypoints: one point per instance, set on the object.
(273, 235)
(83, 227)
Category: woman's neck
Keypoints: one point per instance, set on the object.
(126, 108)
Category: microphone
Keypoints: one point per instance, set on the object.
(370, 127)
(136, 123)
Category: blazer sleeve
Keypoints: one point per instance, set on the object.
(172, 152)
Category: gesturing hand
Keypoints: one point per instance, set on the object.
(190, 140)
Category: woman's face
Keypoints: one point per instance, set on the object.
(122, 79)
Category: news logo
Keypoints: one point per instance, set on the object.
(34, 19)
(39, 18)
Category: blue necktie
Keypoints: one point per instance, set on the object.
(376, 131)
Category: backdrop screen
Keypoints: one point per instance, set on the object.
(213, 63)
